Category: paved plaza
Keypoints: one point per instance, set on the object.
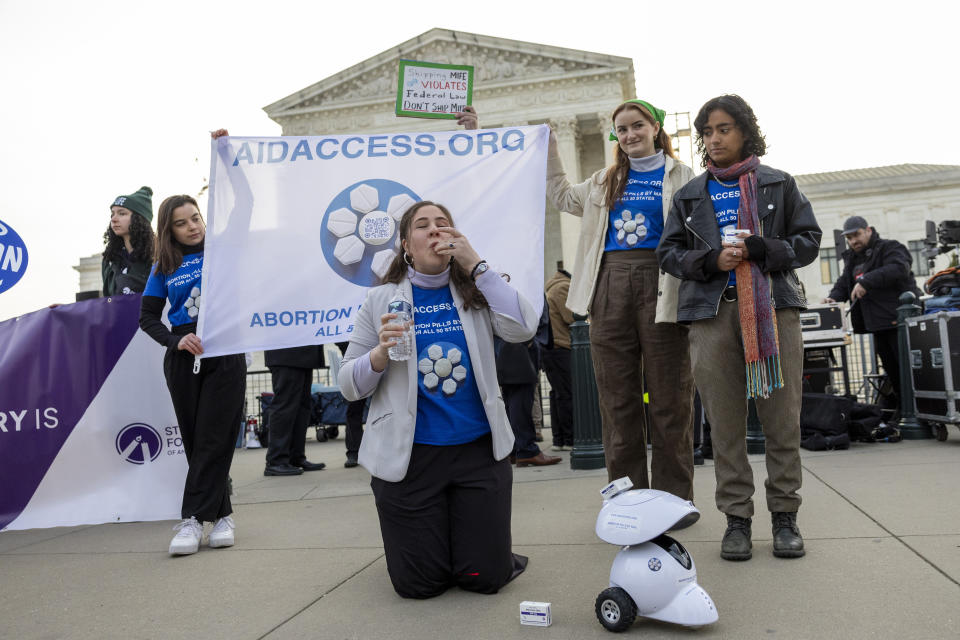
(881, 524)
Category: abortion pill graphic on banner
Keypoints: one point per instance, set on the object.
(360, 226)
(13, 257)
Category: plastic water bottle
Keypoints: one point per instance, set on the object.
(404, 310)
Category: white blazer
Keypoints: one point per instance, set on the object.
(391, 420)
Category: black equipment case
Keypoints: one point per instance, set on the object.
(934, 344)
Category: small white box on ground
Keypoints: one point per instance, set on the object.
(617, 486)
(535, 613)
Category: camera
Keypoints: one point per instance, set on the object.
(940, 239)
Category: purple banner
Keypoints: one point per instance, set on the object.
(52, 364)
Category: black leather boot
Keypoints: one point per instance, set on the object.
(787, 542)
(736, 543)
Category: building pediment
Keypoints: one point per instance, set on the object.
(498, 62)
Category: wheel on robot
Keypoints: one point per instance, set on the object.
(941, 432)
(615, 609)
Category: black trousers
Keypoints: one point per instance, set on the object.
(556, 364)
(209, 408)
(289, 415)
(518, 401)
(354, 434)
(448, 521)
(888, 348)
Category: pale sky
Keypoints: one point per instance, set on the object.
(99, 98)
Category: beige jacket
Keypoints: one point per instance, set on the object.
(587, 201)
(391, 421)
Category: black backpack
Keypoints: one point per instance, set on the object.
(824, 421)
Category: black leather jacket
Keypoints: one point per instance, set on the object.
(691, 243)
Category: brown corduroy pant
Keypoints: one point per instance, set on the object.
(628, 346)
(716, 349)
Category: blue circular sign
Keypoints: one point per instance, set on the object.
(13, 257)
(360, 227)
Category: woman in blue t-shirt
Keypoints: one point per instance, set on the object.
(437, 436)
(209, 403)
(634, 335)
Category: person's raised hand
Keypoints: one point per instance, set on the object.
(468, 118)
(456, 245)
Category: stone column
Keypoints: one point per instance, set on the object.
(608, 145)
(566, 130)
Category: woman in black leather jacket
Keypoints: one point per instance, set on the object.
(734, 236)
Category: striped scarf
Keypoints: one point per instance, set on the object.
(758, 320)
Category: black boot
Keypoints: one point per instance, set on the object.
(787, 542)
(736, 543)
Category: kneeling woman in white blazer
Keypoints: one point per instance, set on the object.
(437, 436)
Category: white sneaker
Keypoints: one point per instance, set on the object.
(222, 534)
(187, 540)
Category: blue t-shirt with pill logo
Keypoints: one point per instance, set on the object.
(449, 409)
(181, 288)
(726, 204)
(636, 222)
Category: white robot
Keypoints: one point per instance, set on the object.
(652, 576)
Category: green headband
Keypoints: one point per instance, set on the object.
(658, 115)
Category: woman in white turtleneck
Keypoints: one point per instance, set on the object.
(634, 337)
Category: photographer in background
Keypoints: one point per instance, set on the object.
(875, 272)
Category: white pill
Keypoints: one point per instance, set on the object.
(364, 198)
(449, 387)
(193, 312)
(454, 356)
(621, 235)
(642, 231)
(196, 301)
(626, 215)
(630, 227)
(376, 228)
(381, 261)
(194, 292)
(425, 366)
(632, 239)
(188, 303)
(349, 250)
(459, 373)
(435, 352)
(399, 205)
(342, 222)
(430, 381)
(443, 367)
(618, 224)
(638, 218)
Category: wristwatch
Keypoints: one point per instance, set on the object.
(481, 267)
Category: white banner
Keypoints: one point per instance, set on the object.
(116, 457)
(300, 227)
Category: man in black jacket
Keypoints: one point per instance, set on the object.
(875, 273)
(292, 373)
